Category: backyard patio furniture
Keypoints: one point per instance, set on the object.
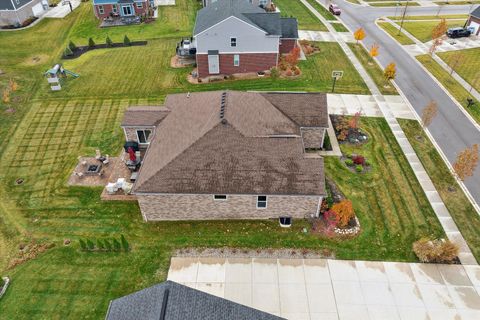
(111, 188)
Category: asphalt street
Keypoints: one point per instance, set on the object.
(451, 129)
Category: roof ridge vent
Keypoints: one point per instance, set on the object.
(223, 104)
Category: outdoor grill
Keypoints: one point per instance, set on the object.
(93, 169)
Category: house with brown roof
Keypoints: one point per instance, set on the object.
(230, 155)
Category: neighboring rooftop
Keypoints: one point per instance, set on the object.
(245, 145)
(13, 4)
(144, 116)
(476, 13)
(270, 22)
(172, 301)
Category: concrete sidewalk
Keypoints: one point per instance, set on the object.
(323, 36)
(336, 289)
(451, 230)
(349, 104)
(61, 11)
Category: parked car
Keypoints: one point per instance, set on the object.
(458, 32)
(333, 8)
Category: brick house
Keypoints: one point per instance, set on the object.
(15, 12)
(259, 3)
(230, 155)
(121, 8)
(474, 21)
(238, 37)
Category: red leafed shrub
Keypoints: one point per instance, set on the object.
(331, 219)
(359, 160)
(289, 73)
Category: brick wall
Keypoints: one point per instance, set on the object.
(108, 8)
(249, 62)
(312, 137)
(131, 134)
(203, 207)
(286, 45)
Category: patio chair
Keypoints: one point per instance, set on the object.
(107, 160)
(98, 155)
(111, 188)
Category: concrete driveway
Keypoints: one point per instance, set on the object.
(452, 130)
(335, 289)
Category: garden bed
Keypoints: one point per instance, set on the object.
(25, 23)
(84, 49)
(347, 129)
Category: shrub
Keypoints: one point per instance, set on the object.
(68, 52)
(367, 163)
(344, 211)
(274, 73)
(83, 245)
(116, 245)
(359, 168)
(438, 250)
(289, 73)
(108, 245)
(91, 43)
(358, 159)
(100, 244)
(349, 162)
(125, 245)
(126, 41)
(296, 71)
(108, 41)
(282, 64)
(90, 244)
(331, 218)
(72, 46)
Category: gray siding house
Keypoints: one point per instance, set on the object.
(15, 12)
(230, 155)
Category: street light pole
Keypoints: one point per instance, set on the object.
(403, 18)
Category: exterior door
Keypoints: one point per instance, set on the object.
(213, 64)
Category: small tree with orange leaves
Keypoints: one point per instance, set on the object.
(344, 211)
(359, 34)
(428, 113)
(293, 56)
(13, 85)
(466, 162)
(390, 71)
(373, 51)
(437, 33)
(6, 96)
(355, 121)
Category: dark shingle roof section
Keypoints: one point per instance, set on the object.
(181, 303)
(226, 162)
(476, 13)
(6, 5)
(221, 10)
(255, 148)
(144, 116)
(289, 28)
(305, 109)
(270, 22)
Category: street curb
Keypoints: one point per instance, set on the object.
(427, 132)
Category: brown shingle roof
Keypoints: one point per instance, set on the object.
(144, 116)
(305, 109)
(194, 151)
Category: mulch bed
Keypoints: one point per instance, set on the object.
(83, 49)
(19, 26)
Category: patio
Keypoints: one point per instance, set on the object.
(119, 21)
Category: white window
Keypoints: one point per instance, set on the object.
(143, 135)
(127, 10)
(263, 2)
(101, 10)
(114, 8)
(220, 197)
(139, 5)
(261, 202)
(236, 60)
(233, 42)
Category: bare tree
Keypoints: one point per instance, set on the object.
(466, 162)
(437, 34)
(428, 113)
(456, 61)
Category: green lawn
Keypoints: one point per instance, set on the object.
(468, 67)
(339, 27)
(174, 21)
(103, 73)
(322, 10)
(422, 30)
(462, 211)
(66, 283)
(455, 89)
(372, 68)
(306, 19)
(391, 30)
